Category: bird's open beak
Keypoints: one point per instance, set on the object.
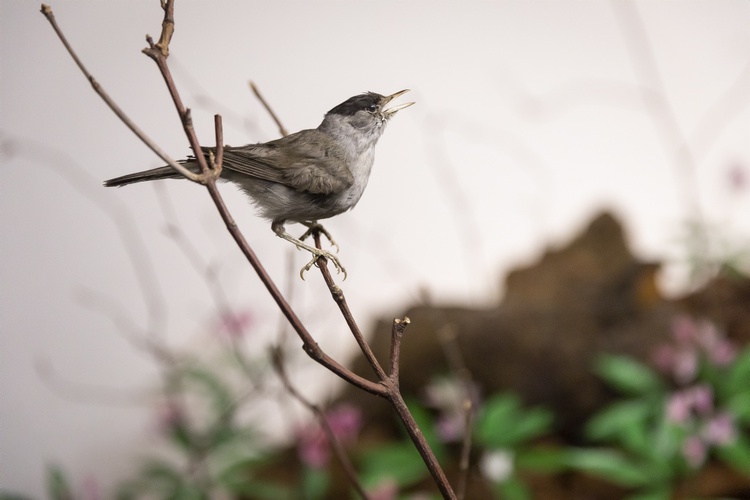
(391, 111)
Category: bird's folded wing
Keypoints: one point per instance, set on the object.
(308, 161)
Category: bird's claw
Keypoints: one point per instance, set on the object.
(325, 255)
(315, 227)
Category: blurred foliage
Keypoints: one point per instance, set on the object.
(666, 425)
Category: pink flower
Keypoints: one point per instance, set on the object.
(693, 341)
(170, 416)
(678, 408)
(314, 449)
(683, 330)
(701, 399)
(685, 366)
(720, 429)
(738, 178)
(91, 489)
(694, 450)
(235, 324)
(449, 396)
(451, 428)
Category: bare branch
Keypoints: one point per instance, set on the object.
(397, 333)
(338, 297)
(283, 131)
(167, 27)
(47, 11)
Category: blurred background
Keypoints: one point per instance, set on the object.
(530, 120)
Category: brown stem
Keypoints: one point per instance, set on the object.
(167, 27)
(398, 403)
(397, 333)
(338, 297)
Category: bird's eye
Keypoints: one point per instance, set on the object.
(372, 108)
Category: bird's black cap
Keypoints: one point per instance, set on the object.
(357, 103)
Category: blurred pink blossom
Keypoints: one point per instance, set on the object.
(720, 430)
(738, 178)
(449, 396)
(694, 450)
(314, 449)
(235, 324)
(693, 341)
(691, 402)
(702, 399)
(678, 408)
(91, 489)
(170, 415)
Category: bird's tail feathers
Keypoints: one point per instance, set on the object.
(150, 175)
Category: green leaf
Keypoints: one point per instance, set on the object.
(214, 387)
(613, 422)
(662, 492)
(610, 465)
(513, 489)
(400, 462)
(738, 378)
(504, 424)
(739, 406)
(57, 484)
(8, 495)
(628, 375)
(314, 483)
(541, 459)
(531, 424)
(240, 480)
(736, 455)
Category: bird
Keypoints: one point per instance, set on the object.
(306, 176)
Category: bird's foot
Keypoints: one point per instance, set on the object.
(317, 253)
(315, 227)
(321, 254)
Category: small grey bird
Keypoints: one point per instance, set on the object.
(306, 176)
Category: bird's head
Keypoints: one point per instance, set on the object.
(364, 114)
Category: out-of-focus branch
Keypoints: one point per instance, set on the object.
(282, 130)
(277, 358)
(448, 336)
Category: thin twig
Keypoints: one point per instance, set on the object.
(47, 11)
(277, 358)
(448, 338)
(397, 333)
(167, 27)
(423, 447)
(282, 130)
(338, 296)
